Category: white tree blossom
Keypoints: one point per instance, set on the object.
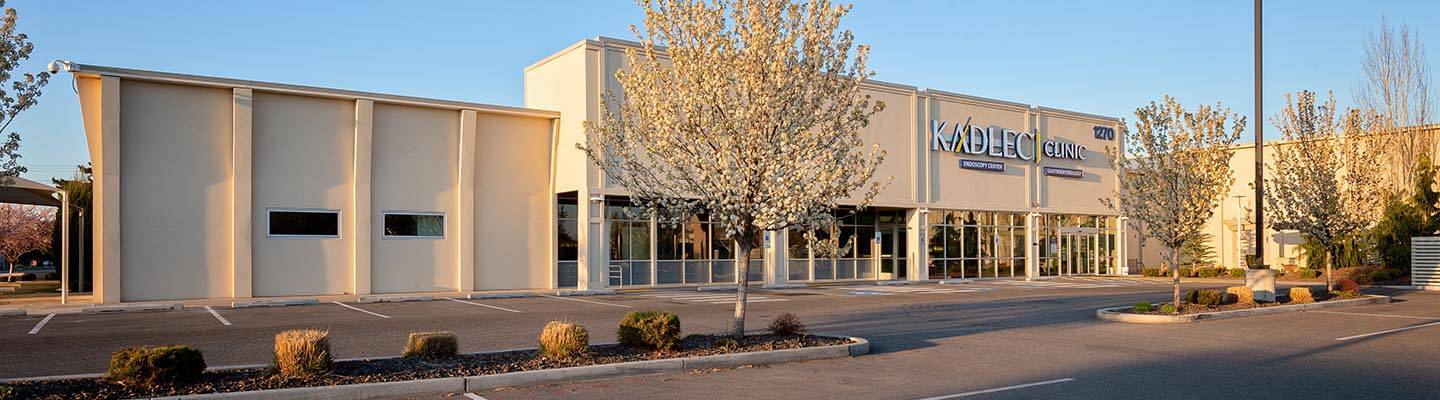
(1174, 171)
(749, 110)
(1326, 181)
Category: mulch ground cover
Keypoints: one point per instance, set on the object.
(402, 369)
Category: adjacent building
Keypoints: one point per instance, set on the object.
(224, 188)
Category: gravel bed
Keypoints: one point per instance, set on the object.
(402, 369)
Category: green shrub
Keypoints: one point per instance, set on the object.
(8, 392)
(1152, 272)
(1142, 307)
(1301, 295)
(1167, 308)
(728, 343)
(1307, 273)
(564, 341)
(1383, 274)
(1207, 272)
(1205, 297)
(657, 330)
(156, 365)
(303, 353)
(433, 345)
(1187, 272)
(788, 324)
(1237, 272)
(1243, 295)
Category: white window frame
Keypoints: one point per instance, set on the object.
(339, 223)
(444, 224)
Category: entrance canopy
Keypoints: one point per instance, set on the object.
(25, 191)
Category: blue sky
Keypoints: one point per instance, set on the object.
(1101, 57)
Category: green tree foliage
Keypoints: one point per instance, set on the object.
(1197, 251)
(1408, 216)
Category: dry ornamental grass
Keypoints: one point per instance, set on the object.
(303, 353)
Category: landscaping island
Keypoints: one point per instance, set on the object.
(302, 361)
(1238, 301)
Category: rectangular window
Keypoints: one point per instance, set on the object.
(303, 223)
(429, 225)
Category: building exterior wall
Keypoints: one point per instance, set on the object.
(414, 168)
(188, 156)
(316, 136)
(922, 177)
(205, 159)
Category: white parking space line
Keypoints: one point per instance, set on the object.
(473, 396)
(748, 301)
(482, 305)
(364, 311)
(999, 389)
(42, 323)
(1376, 315)
(217, 316)
(1365, 335)
(585, 301)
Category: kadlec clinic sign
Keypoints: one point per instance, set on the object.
(998, 142)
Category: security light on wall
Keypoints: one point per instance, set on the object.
(55, 66)
(597, 198)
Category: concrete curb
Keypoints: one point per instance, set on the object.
(443, 386)
(598, 292)
(482, 296)
(127, 307)
(1116, 315)
(785, 286)
(893, 283)
(717, 288)
(273, 302)
(954, 281)
(12, 311)
(393, 298)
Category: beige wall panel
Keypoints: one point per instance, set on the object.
(559, 84)
(302, 158)
(893, 129)
(512, 203)
(176, 195)
(963, 189)
(1076, 195)
(414, 169)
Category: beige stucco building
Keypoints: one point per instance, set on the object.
(224, 188)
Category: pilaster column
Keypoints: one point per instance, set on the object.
(360, 201)
(1032, 250)
(464, 240)
(107, 195)
(240, 189)
(776, 272)
(915, 245)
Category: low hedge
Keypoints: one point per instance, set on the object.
(1308, 273)
(156, 365)
(1152, 272)
(657, 330)
(432, 345)
(1237, 272)
(1205, 297)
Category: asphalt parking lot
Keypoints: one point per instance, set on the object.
(993, 339)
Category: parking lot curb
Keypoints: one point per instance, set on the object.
(393, 298)
(1116, 314)
(129, 307)
(444, 386)
(12, 311)
(717, 288)
(893, 283)
(273, 302)
(598, 292)
(482, 296)
(785, 286)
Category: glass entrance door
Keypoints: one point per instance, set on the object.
(891, 245)
(1077, 254)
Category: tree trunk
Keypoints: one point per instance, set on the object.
(1175, 277)
(742, 269)
(1329, 260)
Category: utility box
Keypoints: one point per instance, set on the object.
(1425, 262)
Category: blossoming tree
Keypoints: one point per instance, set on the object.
(1173, 172)
(24, 229)
(1326, 180)
(749, 110)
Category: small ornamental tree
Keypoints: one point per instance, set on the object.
(1174, 171)
(749, 110)
(17, 92)
(1326, 180)
(24, 229)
